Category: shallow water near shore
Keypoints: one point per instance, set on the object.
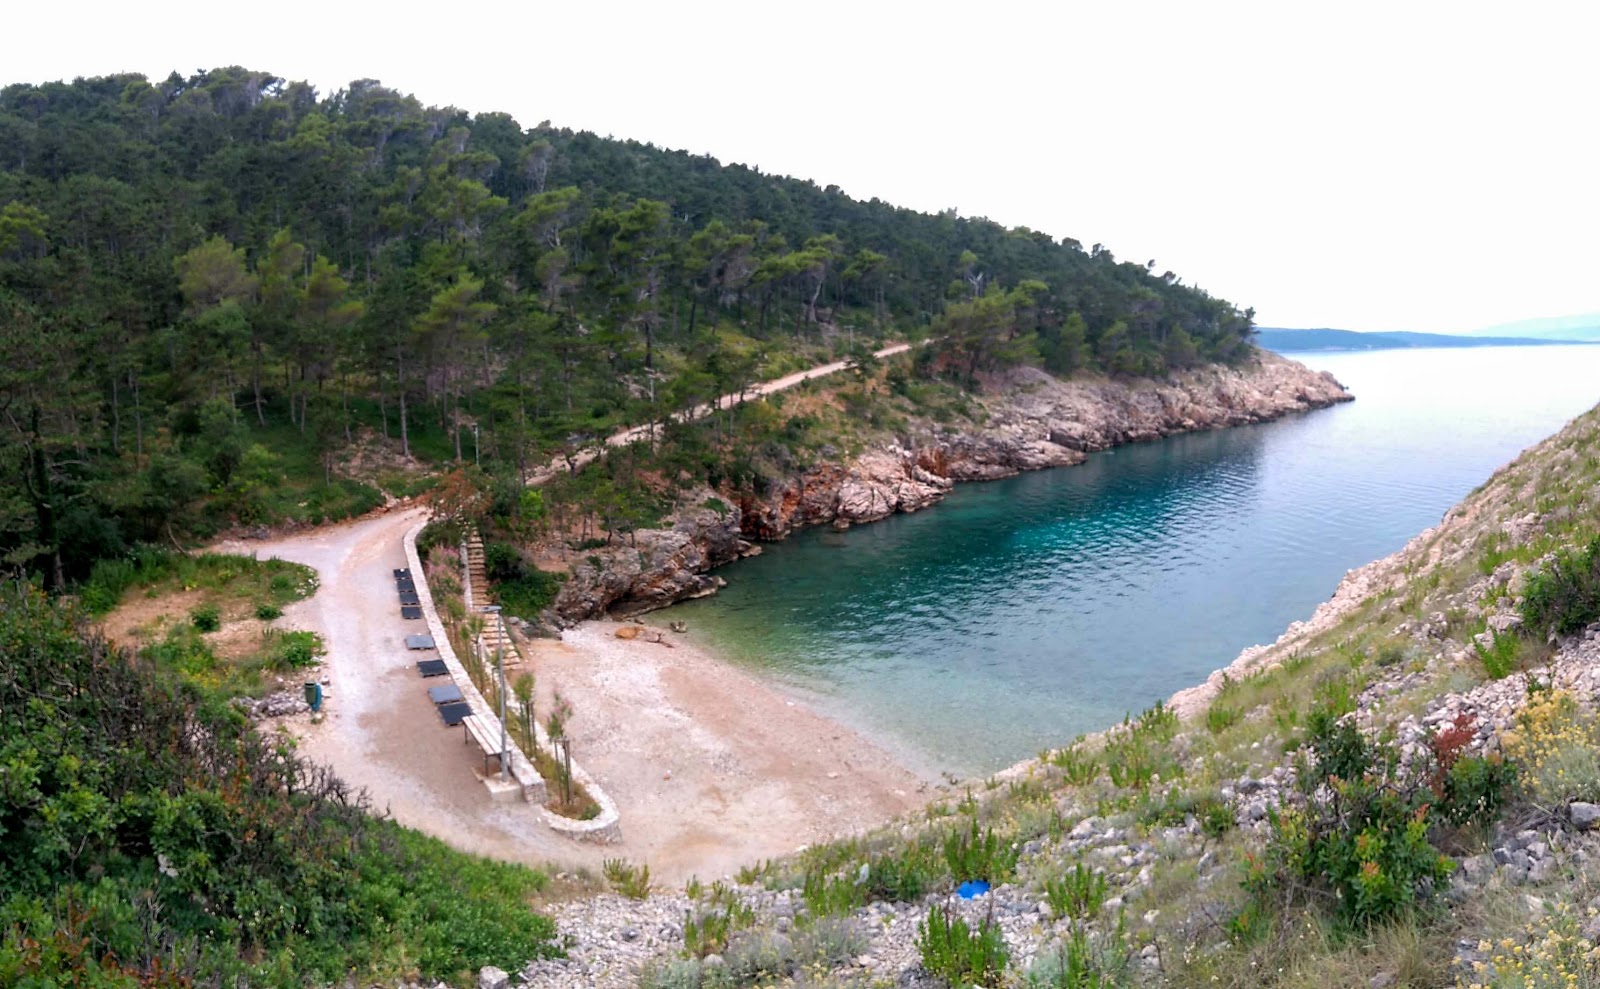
(1019, 613)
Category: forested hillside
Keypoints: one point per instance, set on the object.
(213, 288)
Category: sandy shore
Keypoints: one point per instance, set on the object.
(719, 769)
(711, 768)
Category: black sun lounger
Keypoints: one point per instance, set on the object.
(419, 641)
(454, 714)
(405, 586)
(411, 611)
(402, 574)
(432, 668)
(408, 597)
(447, 693)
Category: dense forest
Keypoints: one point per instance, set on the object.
(211, 286)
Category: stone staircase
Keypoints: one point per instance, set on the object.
(477, 589)
(496, 636)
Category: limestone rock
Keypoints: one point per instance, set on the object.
(1584, 815)
(490, 977)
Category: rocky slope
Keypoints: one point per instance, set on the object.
(1027, 420)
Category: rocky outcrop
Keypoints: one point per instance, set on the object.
(1030, 421)
(655, 568)
(1027, 420)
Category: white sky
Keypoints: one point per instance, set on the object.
(1367, 166)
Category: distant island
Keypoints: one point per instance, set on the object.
(1301, 341)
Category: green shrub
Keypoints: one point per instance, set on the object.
(267, 612)
(1390, 654)
(1564, 596)
(292, 650)
(1076, 767)
(629, 880)
(904, 878)
(1221, 717)
(1081, 962)
(1364, 847)
(952, 950)
(1337, 745)
(1476, 788)
(1078, 894)
(831, 896)
(1500, 658)
(1216, 819)
(979, 854)
(707, 932)
(206, 617)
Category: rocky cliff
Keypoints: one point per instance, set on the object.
(1025, 420)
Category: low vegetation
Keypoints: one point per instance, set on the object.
(153, 838)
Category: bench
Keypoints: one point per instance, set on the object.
(488, 741)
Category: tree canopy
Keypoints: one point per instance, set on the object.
(210, 285)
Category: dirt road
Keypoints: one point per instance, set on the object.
(710, 768)
(637, 434)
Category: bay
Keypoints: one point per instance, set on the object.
(1019, 613)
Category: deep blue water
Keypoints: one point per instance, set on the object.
(1019, 613)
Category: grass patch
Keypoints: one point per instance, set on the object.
(234, 585)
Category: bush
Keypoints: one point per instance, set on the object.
(1221, 717)
(1082, 962)
(1077, 895)
(1557, 746)
(292, 650)
(952, 950)
(1364, 846)
(1338, 746)
(1500, 657)
(905, 878)
(1564, 596)
(1076, 767)
(707, 932)
(206, 617)
(629, 880)
(979, 854)
(1367, 846)
(267, 612)
(832, 896)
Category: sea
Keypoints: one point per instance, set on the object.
(1019, 613)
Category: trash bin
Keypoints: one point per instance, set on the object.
(314, 696)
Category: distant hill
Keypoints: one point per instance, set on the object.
(1286, 340)
(1582, 327)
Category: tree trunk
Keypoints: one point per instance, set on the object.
(255, 380)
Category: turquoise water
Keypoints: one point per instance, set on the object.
(1019, 613)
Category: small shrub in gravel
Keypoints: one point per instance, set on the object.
(829, 942)
(626, 878)
(1078, 894)
(979, 853)
(1080, 961)
(959, 953)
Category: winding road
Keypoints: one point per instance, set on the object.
(637, 434)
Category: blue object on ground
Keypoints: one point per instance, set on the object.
(314, 697)
(971, 888)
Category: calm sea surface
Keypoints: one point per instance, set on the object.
(1019, 613)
